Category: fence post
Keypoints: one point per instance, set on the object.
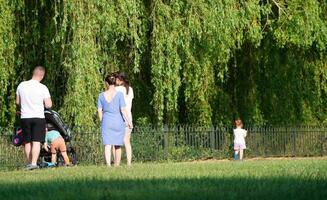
(256, 133)
(166, 140)
(284, 135)
(322, 140)
(294, 142)
(212, 137)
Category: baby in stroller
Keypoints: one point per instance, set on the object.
(56, 142)
(58, 137)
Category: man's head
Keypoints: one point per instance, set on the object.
(38, 73)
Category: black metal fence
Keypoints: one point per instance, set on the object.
(187, 142)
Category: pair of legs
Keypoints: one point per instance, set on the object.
(236, 154)
(238, 148)
(34, 134)
(32, 151)
(64, 155)
(117, 154)
(128, 147)
(59, 144)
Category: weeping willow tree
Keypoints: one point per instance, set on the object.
(192, 44)
(189, 61)
(81, 64)
(285, 82)
(79, 42)
(8, 43)
(95, 38)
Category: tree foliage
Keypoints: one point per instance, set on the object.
(7, 61)
(189, 61)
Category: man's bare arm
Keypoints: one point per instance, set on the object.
(47, 103)
(18, 100)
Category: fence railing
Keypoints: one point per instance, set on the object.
(187, 142)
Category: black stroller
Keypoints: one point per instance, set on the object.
(56, 123)
(54, 120)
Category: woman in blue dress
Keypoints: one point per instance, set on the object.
(113, 116)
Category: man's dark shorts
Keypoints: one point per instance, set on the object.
(33, 129)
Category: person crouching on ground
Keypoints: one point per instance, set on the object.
(56, 143)
(239, 139)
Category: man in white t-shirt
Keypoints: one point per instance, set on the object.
(32, 96)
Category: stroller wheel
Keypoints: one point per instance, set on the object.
(73, 156)
(60, 160)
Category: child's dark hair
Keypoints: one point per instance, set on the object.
(50, 127)
(110, 79)
(121, 76)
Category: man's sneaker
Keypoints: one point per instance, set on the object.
(31, 167)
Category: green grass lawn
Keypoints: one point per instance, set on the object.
(252, 179)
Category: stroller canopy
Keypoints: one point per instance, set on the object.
(53, 118)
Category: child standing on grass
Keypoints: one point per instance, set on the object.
(239, 139)
(56, 142)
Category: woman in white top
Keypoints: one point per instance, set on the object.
(239, 139)
(123, 86)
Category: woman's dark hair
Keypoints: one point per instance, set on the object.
(110, 79)
(121, 76)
